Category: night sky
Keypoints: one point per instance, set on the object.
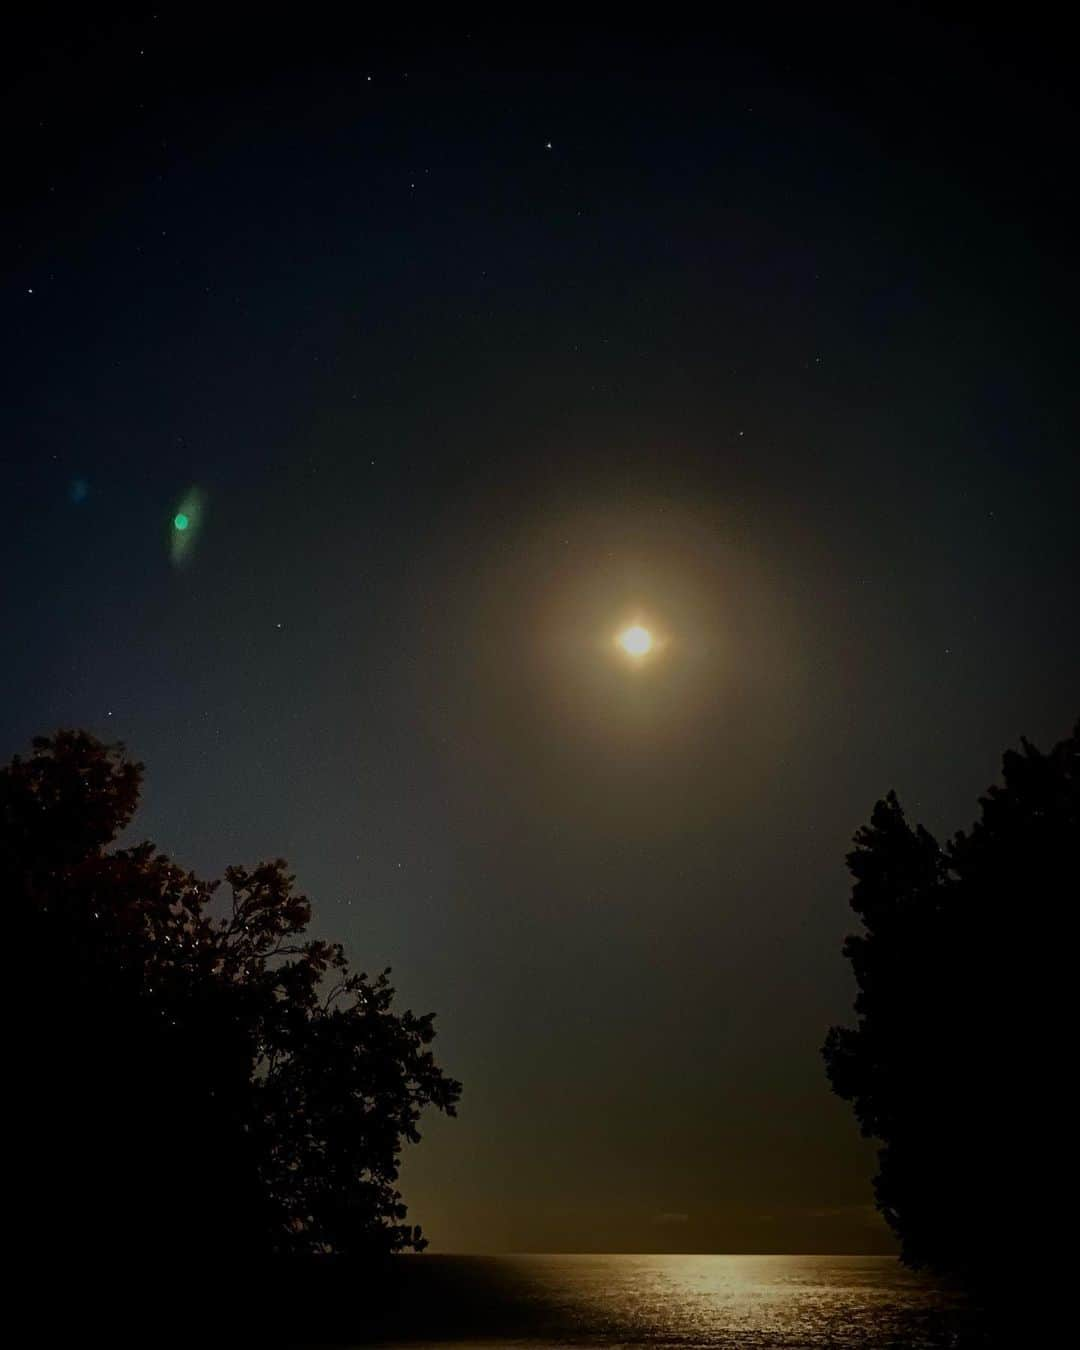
(461, 351)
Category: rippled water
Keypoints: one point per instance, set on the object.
(704, 1301)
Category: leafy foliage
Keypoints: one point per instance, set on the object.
(957, 1010)
(196, 1070)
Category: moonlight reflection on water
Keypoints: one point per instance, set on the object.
(785, 1302)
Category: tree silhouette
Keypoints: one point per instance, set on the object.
(958, 1009)
(191, 1071)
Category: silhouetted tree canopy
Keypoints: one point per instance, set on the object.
(192, 1073)
(958, 1035)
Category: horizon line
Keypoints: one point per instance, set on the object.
(566, 1251)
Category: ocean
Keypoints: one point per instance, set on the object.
(562, 1302)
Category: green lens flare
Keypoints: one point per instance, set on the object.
(186, 525)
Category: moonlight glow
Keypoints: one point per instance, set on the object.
(636, 641)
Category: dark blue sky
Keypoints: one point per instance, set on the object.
(471, 347)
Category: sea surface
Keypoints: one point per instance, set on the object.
(566, 1302)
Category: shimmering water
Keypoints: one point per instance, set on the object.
(787, 1302)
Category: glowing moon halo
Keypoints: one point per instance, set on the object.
(635, 640)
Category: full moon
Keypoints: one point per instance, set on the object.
(636, 641)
